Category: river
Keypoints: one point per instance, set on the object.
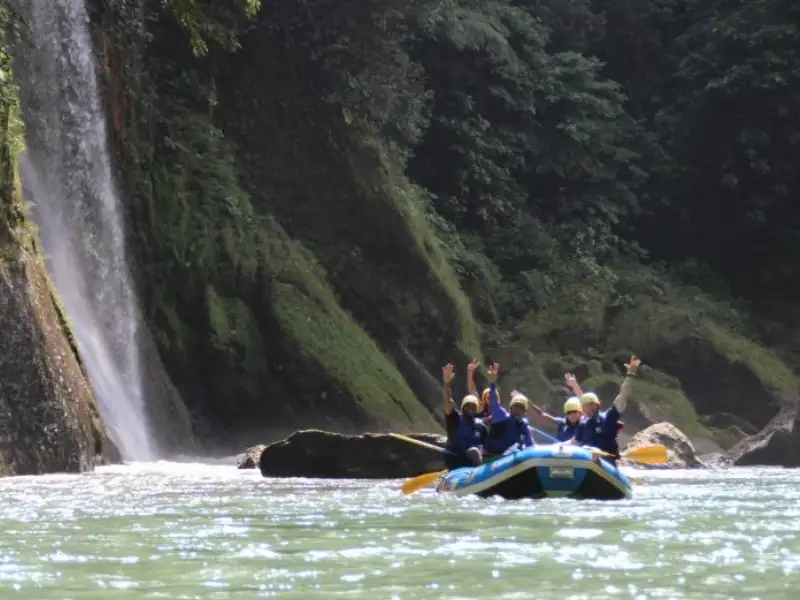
(198, 531)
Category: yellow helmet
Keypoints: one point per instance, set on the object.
(572, 404)
(519, 399)
(470, 399)
(590, 398)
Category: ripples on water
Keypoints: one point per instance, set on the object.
(185, 531)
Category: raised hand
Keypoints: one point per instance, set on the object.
(494, 371)
(448, 373)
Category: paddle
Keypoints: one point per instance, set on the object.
(420, 443)
(647, 455)
(421, 481)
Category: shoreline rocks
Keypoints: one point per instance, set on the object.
(778, 444)
(251, 457)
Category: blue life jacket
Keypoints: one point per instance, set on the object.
(566, 430)
(506, 433)
(470, 432)
(600, 431)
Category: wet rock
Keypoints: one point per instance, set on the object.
(680, 449)
(775, 445)
(727, 420)
(251, 457)
(48, 419)
(170, 419)
(315, 453)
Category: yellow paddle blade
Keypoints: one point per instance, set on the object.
(420, 481)
(648, 455)
(598, 452)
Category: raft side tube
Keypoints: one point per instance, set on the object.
(539, 472)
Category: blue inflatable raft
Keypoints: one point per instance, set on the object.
(560, 470)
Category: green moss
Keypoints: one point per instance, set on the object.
(766, 365)
(725, 437)
(324, 345)
(404, 198)
(235, 334)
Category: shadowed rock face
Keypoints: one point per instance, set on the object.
(778, 444)
(718, 384)
(48, 421)
(314, 453)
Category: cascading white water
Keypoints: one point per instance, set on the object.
(68, 179)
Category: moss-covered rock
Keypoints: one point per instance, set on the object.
(343, 194)
(251, 261)
(336, 369)
(689, 337)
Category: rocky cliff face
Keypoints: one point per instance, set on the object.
(48, 419)
(295, 272)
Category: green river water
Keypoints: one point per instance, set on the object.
(194, 531)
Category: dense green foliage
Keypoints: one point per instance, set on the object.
(11, 136)
(332, 198)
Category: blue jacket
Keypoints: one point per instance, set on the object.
(463, 433)
(600, 431)
(506, 429)
(566, 430)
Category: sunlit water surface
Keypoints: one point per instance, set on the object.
(186, 531)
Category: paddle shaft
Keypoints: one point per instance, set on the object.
(422, 444)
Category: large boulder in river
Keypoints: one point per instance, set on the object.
(315, 453)
(680, 449)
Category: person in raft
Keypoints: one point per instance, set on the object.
(466, 433)
(510, 429)
(599, 429)
(485, 411)
(566, 426)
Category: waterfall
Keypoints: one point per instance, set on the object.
(68, 178)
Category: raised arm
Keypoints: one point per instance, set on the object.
(621, 401)
(544, 414)
(471, 387)
(572, 383)
(497, 411)
(448, 373)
